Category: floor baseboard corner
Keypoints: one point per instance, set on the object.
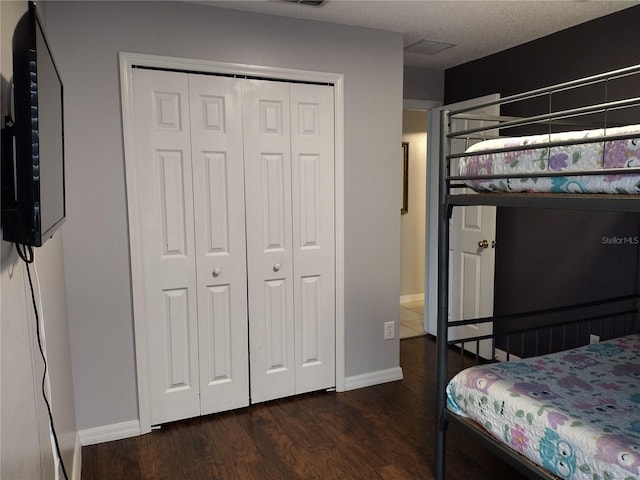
(108, 433)
(373, 378)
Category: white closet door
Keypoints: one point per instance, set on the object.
(235, 186)
(289, 178)
(218, 179)
(269, 243)
(312, 165)
(164, 192)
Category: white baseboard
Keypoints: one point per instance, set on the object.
(417, 297)
(108, 433)
(118, 431)
(373, 378)
(77, 459)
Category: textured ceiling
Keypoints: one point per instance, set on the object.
(477, 28)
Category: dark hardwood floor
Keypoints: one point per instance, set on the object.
(385, 432)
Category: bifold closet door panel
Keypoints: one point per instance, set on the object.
(218, 187)
(312, 173)
(167, 246)
(289, 183)
(267, 160)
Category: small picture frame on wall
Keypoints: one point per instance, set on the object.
(405, 178)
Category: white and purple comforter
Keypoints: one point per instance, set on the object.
(595, 155)
(576, 413)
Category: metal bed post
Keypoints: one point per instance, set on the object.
(444, 213)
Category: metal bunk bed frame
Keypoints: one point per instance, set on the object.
(448, 183)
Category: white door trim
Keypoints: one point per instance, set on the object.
(127, 62)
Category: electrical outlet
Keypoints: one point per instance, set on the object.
(389, 330)
(593, 339)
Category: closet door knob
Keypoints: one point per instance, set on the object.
(483, 244)
(276, 267)
(216, 272)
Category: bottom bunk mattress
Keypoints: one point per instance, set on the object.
(572, 158)
(576, 413)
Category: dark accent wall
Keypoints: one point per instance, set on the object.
(546, 258)
(423, 84)
(594, 47)
(552, 258)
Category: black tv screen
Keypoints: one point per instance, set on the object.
(33, 200)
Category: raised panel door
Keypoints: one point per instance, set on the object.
(218, 176)
(312, 171)
(267, 153)
(235, 186)
(164, 193)
(472, 259)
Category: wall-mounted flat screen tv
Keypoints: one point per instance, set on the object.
(33, 186)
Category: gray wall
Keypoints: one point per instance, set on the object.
(423, 83)
(25, 446)
(87, 38)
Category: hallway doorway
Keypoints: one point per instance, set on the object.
(413, 228)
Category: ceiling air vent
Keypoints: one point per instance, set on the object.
(313, 3)
(428, 47)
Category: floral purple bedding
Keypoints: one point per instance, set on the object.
(576, 413)
(587, 156)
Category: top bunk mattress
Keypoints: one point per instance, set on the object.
(576, 413)
(596, 155)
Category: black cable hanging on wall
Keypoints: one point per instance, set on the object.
(26, 254)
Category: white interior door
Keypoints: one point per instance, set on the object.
(218, 177)
(269, 238)
(189, 166)
(289, 183)
(471, 263)
(472, 257)
(167, 245)
(312, 170)
(182, 344)
(235, 183)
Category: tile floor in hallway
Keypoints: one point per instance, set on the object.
(411, 319)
